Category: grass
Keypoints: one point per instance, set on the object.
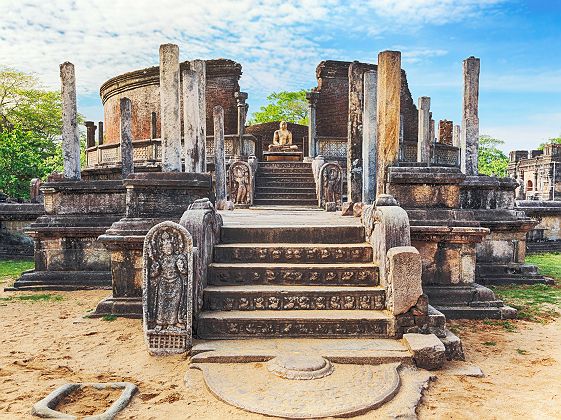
(490, 343)
(538, 302)
(40, 297)
(11, 269)
(109, 318)
(507, 325)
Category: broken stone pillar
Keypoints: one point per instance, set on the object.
(100, 133)
(219, 157)
(167, 302)
(432, 130)
(241, 97)
(445, 129)
(127, 156)
(424, 140)
(193, 132)
(388, 108)
(170, 109)
(312, 98)
(470, 118)
(369, 138)
(70, 134)
(90, 134)
(153, 127)
(354, 133)
(456, 134)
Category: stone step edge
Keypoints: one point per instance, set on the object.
(256, 288)
(308, 315)
(292, 244)
(272, 266)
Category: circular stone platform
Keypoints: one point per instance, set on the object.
(349, 389)
(300, 366)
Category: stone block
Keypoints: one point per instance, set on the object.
(428, 351)
(347, 209)
(453, 346)
(331, 206)
(404, 283)
(357, 209)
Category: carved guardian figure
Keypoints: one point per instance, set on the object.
(331, 191)
(240, 184)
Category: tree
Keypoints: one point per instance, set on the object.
(555, 140)
(283, 106)
(492, 160)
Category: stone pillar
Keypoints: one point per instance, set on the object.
(354, 133)
(424, 141)
(170, 109)
(100, 133)
(432, 130)
(388, 109)
(312, 98)
(153, 128)
(70, 134)
(90, 134)
(200, 69)
(369, 138)
(192, 130)
(470, 117)
(445, 129)
(127, 156)
(241, 97)
(456, 134)
(219, 157)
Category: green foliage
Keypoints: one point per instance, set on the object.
(283, 106)
(556, 140)
(492, 160)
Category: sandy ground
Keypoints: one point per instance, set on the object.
(45, 344)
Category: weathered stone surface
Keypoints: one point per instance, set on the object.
(369, 140)
(297, 366)
(240, 183)
(331, 190)
(388, 108)
(127, 158)
(167, 292)
(347, 208)
(90, 133)
(357, 209)
(445, 134)
(424, 141)
(241, 97)
(456, 136)
(312, 98)
(70, 133)
(219, 158)
(428, 351)
(170, 108)
(459, 368)
(194, 124)
(453, 345)
(46, 407)
(404, 283)
(470, 117)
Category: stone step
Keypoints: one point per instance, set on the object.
(293, 196)
(335, 234)
(270, 177)
(258, 297)
(280, 171)
(298, 323)
(284, 202)
(349, 274)
(267, 165)
(293, 253)
(271, 189)
(286, 183)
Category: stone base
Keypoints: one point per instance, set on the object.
(63, 280)
(124, 307)
(282, 156)
(510, 274)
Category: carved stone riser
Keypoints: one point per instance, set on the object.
(211, 328)
(294, 234)
(275, 254)
(285, 196)
(288, 183)
(284, 202)
(269, 165)
(286, 178)
(222, 301)
(305, 276)
(284, 170)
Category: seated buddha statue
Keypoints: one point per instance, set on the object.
(282, 140)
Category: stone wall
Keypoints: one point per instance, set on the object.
(333, 102)
(14, 217)
(142, 88)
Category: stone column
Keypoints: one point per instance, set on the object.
(192, 131)
(456, 134)
(153, 128)
(219, 157)
(241, 97)
(388, 108)
(70, 135)
(312, 98)
(445, 129)
(470, 117)
(100, 133)
(127, 155)
(170, 109)
(354, 133)
(200, 69)
(369, 138)
(90, 134)
(424, 141)
(432, 130)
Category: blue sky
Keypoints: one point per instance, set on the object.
(279, 44)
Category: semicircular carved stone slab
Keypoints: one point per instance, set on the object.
(167, 290)
(350, 389)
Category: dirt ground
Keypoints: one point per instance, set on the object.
(47, 343)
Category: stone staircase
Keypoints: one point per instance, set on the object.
(285, 183)
(293, 281)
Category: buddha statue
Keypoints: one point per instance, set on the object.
(282, 139)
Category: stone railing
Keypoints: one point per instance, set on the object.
(150, 151)
(444, 155)
(408, 151)
(332, 148)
